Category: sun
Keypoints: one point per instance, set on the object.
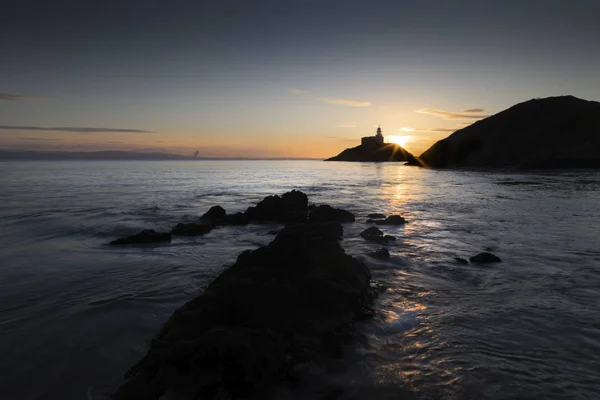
(399, 140)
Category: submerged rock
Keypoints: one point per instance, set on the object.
(191, 229)
(289, 303)
(392, 220)
(376, 216)
(382, 254)
(146, 236)
(373, 234)
(485, 257)
(325, 213)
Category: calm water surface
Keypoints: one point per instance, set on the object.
(75, 314)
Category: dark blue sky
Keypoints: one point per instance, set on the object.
(292, 77)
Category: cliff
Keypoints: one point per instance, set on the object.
(554, 132)
(384, 153)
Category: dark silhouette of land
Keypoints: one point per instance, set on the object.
(384, 153)
(554, 132)
(373, 149)
(115, 155)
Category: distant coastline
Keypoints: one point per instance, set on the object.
(32, 155)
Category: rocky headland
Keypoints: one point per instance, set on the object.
(386, 152)
(554, 132)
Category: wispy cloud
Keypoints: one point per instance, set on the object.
(473, 113)
(16, 97)
(39, 139)
(71, 129)
(342, 124)
(297, 91)
(344, 102)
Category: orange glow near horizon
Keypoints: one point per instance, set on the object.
(399, 140)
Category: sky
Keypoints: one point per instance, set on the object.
(280, 78)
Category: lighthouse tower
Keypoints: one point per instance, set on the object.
(373, 141)
(379, 136)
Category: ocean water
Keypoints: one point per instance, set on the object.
(75, 313)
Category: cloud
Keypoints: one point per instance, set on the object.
(39, 139)
(16, 97)
(473, 113)
(350, 103)
(342, 124)
(297, 91)
(71, 129)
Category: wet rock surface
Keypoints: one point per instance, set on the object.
(147, 236)
(236, 219)
(191, 229)
(326, 213)
(375, 235)
(392, 220)
(376, 216)
(381, 254)
(214, 214)
(280, 306)
(290, 207)
(485, 258)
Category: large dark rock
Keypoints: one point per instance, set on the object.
(387, 152)
(294, 200)
(554, 132)
(485, 257)
(392, 220)
(236, 219)
(215, 214)
(191, 229)
(326, 213)
(373, 234)
(290, 207)
(147, 236)
(290, 303)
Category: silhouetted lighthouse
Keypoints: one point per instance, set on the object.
(373, 141)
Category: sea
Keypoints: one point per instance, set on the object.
(75, 314)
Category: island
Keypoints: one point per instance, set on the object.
(554, 132)
(374, 149)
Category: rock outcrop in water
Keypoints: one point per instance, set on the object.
(291, 207)
(555, 132)
(278, 307)
(191, 229)
(387, 152)
(485, 258)
(392, 220)
(373, 234)
(327, 213)
(147, 236)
